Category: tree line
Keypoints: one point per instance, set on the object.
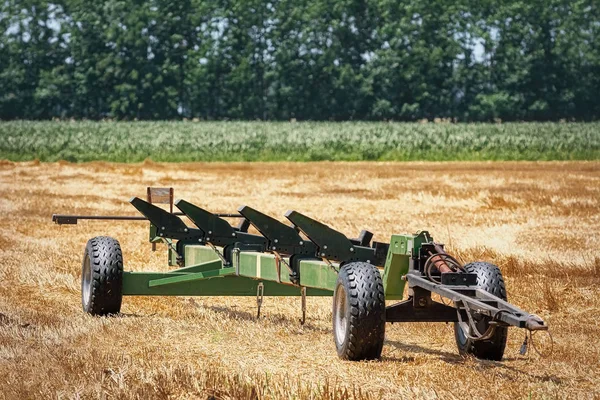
(302, 59)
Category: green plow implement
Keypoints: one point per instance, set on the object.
(307, 258)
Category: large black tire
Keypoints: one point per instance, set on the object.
(102, 276)
(359, 312)
(489, 278)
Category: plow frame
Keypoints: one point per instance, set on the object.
(215, 258)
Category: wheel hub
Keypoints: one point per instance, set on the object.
(86, 281)
(340, 315)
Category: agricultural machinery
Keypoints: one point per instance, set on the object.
(308, 258)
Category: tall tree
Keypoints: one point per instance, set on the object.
(304, 59)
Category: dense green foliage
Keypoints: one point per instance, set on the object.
(301, 141)
(304, 59)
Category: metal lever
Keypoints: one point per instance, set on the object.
(303, 292)
(260, 290)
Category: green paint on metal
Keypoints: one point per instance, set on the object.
(263, 266)
(191, 277)
(202, 267)
(317, 274)
(171, 256)
(204, 274)
(197, 254)
(137, 284)
(248, 265)
(313, 273)
(154, 238)
(268, 269)
(420, 238)
(396, 265)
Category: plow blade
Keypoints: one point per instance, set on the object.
(282, 238)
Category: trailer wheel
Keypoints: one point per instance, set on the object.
(359, 312)
(102, 276)
(489, 278)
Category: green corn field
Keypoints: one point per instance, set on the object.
(295, 141)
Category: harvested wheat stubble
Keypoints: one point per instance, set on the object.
(538, 221)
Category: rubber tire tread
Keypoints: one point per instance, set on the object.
(106, 261)
(489, 278)
(365, 330)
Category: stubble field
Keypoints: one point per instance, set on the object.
(540, 222)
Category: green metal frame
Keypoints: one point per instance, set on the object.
(217, 259)
(205, 275)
